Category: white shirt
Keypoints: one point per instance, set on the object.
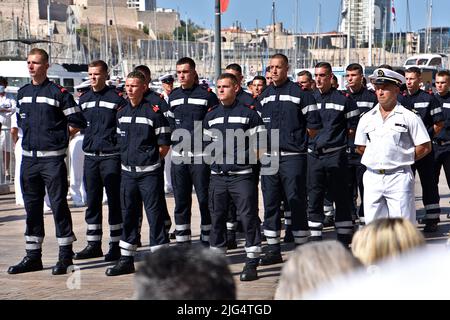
(390, 143)
(8, 104)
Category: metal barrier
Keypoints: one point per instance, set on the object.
(7, 157)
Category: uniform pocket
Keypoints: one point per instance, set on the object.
(399, 133)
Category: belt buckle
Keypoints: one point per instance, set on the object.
(381, 171)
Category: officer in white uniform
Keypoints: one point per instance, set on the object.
(390, 138)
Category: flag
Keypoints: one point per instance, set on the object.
(224, 5)
(393, 11)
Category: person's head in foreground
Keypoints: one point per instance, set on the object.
(180, 273)
(385, 238)
(312, 265)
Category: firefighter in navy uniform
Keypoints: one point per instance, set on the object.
(234, 223)
(234, 182)
(154, 98)
(47, 114)
(441, 141)
(101, 162)
(188, 105)
(327, 156)
(144, 140)
(430, 111)
(288, 110)
(365, 100)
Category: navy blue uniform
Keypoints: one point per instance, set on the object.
(142, 130)
(44, 113)
(327, 163)
(365, 100)
(286, 110)
(233, 174)
(187, 109)
(441, 142)
(427, 107)
(102, 161)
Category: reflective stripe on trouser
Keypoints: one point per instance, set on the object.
(137, 188)
(442, 159)
(37, 174)
(430, 190)
(290, 180)
(328, 172)
(241, 190)
(184, 176)
(102, 172)
(389, 196)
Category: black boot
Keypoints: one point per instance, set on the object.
(430, 226)
(288, 236)
(231, 240)
(64, 260)
(28, 264)
(249, 272)
(92, 250)
(113, 253)
(125, 265)
(271, 257)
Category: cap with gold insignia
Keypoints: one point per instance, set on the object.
(167, 78)
(385, 76)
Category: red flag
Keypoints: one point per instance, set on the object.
(393, 11)
(224, 5)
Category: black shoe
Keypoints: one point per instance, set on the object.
(26, 265)
(113, 253)
(430, 227)
(61, 266)
(328, 221)
(91, 251)
(231, 244)
(288, 237)
(172, 236)
(123, 266)
(271, 258)
(249, 273)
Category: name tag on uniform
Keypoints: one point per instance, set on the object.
(402, 125)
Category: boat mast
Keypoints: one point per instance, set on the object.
(371, 11)
(106, 58)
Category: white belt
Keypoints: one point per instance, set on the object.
(232, 173)
(388, 171)
(186, 154)
(43, 154)
(283, 153)
(141, 168)
(101, 154)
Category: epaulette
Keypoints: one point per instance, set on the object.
(362, 113)
(119, 93)
(155, 108)
(61, 88)
(415, 111)
(212, 108)
(251, 107)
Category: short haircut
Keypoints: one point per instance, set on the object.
(260, 78)
(400, 71)
(355, 67)
(414, 70)
(280, 56)
(386, 66)
(175, 273)
(325, 65)
(41, 52)
(136, 75)
(313, 265)
(385, 238)
(230, 76)
(144, 70)
(305, 73)
(235, 67)
(3, 81)
(443, 73)
(267, 69)
(99, 63)
(186, 60)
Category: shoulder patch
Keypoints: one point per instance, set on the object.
(209, 89)
(252, 107)
(119, 93)
(155, 108)
(61, 88)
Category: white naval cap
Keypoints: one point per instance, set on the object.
(382, 76)
(166, 78)
(83, 86)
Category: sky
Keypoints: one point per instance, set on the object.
(247, 12)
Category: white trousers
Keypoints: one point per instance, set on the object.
(17, 188)
(76, 155)
(389, 195)
(167, 165)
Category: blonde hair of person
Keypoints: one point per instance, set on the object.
(385, 238)
(311, 265)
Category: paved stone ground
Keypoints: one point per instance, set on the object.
(91, 283)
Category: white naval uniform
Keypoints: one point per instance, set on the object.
(76, 155)
(390, 151)
(167, 162)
